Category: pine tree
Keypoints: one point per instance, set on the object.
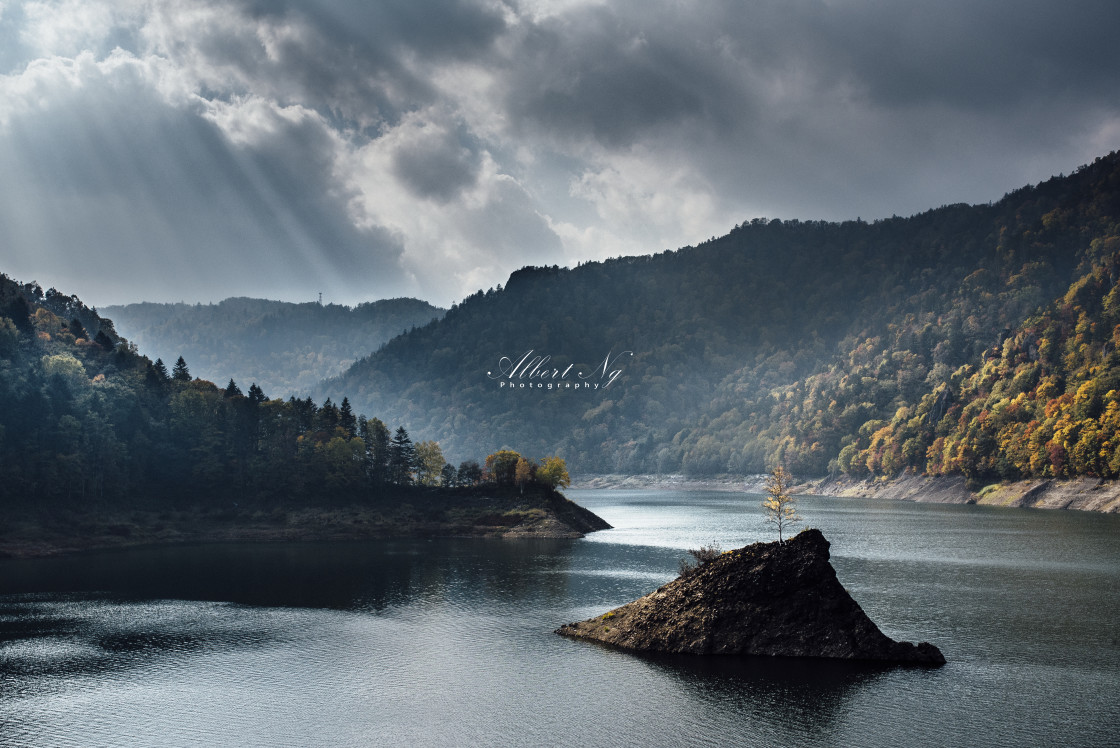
(448, 476)
(256, 394)
(232, 390)
(104, 340)
(346, 417)
(402, 458)
(328, 416)
(376, 437)
(161, 370)
(180, 372)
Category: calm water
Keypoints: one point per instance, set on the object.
(451, 643)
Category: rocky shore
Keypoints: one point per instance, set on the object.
(764, 599)
(1082, 494)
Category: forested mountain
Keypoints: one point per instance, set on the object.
(285, 348)
(968, 339)
(87, 421)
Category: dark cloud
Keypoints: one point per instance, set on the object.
(809, 108)
(599, 76)
(982, 55)
(660, 61)
(195, 148)
(443, 29)
(365, 60)
(437, 165)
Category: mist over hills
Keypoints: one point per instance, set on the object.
(285, 348)
(867, 348)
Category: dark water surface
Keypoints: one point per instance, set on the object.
(450, 642)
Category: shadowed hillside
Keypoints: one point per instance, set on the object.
(827, 346)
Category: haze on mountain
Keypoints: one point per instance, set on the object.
(284, 348)
(976, 340)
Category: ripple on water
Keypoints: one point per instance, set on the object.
(452, 644)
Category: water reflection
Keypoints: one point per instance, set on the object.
(812, 693)
(371, 575)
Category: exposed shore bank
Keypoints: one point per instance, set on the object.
(55, 533)
(1083, 494)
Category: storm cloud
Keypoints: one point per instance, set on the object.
(193, 150)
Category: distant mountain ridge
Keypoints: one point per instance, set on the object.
(285, 348)
(864, 348)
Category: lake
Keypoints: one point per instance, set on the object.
(448, 643)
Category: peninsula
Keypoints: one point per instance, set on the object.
(409, 512)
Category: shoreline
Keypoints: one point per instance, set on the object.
(1080, 494)
(65, 533)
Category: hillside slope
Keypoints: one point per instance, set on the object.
(785, 341)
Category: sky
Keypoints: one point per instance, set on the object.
(194, 150)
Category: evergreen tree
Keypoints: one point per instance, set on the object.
(180, 372)
(17, 309)
(447, 476)
(346, 417)
(232, 390)
(161, 370)
(328, 416)
(376, 437)
(256, 394)
(402, 458)
(104, 340)
(469, 474)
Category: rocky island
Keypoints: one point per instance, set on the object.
(780, 599)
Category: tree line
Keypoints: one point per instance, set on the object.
(85, 418)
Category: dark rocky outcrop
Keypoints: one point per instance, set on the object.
(763, 599)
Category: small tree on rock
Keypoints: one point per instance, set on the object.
(780, 506)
